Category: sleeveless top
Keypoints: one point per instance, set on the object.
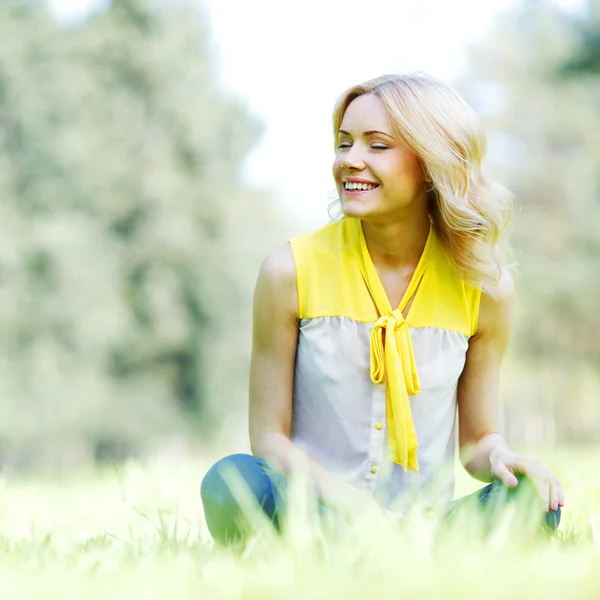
(374, 397)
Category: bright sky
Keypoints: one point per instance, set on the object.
(290, 62)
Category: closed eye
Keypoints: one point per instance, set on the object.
(344, 145)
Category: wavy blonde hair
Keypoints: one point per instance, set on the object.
(469, 213)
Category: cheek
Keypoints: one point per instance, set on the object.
(415, 168)
(406, 173)
(336, 168)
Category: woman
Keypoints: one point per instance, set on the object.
(372, 333)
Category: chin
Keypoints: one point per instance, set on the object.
(356, 209)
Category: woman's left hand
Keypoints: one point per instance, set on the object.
(504, 464)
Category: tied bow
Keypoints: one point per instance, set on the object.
(392, 358)
(393, 361)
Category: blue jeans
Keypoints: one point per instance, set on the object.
(224, 515)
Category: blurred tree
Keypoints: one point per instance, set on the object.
(544, 144)
(127, 241)
(585, 58)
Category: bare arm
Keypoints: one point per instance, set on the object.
(484, 453)
(274, 342)
(479, 384)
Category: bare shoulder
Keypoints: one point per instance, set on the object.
(276, 289)
(278, 267)
(501, 293)
(497, 305)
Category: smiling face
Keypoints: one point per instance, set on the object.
(377, 176)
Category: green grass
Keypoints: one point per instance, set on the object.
(139, 532)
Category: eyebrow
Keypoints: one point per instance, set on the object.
(367, 133)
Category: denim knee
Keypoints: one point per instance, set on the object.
(223, 513)
(497, 493)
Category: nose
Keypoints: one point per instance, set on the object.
(352, 160)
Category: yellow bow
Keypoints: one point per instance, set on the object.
(393, 361)
(392, 358)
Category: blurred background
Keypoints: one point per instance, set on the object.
(152, 153)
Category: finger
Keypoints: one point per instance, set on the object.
(556, 495)
(543, 490)
(505, 475)
(533, 469)
(561, 494)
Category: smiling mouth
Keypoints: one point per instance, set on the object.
(359, 188)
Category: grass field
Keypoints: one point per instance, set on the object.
(138, 532)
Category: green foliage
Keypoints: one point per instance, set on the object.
(127, 241)
(129, 246)
(585, 59)
(544, 144)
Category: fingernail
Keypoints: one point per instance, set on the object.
(555, 506)
(546, 507)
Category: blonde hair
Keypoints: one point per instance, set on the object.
(469, 213)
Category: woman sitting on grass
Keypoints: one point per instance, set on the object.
(370, 333)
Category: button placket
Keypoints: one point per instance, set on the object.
(378, 427)
(377, 431)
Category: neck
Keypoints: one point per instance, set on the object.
(397, 244)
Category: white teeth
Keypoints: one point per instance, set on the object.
(359, 186)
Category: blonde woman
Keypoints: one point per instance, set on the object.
(372, 334)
